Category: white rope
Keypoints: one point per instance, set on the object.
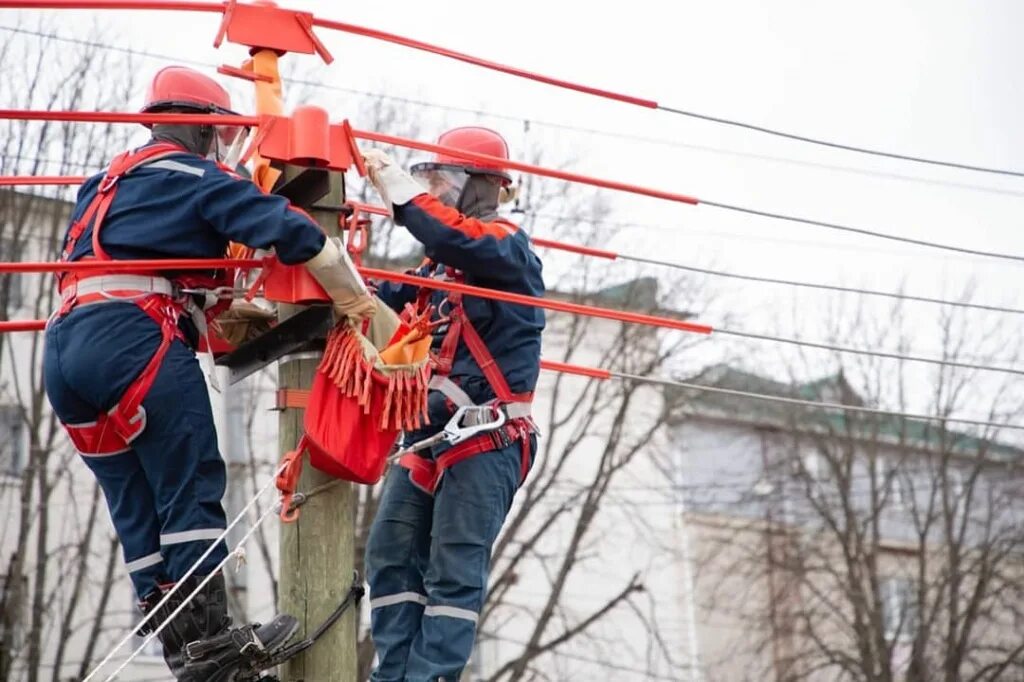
(192, 569)
(199, 587)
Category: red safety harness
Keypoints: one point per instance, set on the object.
(426, 472)
(158, 297)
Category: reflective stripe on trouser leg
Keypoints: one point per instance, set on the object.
(396, 556)
(134, 516)
(178, 451)
(469, 508)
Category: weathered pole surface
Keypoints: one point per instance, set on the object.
(317, 550)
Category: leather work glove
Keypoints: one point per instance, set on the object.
(334, 271)
(242, 322)
(396, 187)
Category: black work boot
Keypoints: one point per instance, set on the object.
(201, 646)
(240, 653)
(206, 615)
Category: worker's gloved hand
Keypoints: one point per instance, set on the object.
(243, 321)
(396, 187)
(336, 273)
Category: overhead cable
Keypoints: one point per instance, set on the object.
(622, 135)
(423, 46)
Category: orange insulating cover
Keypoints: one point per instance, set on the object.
(307, 138)
(310, 137)
(269, 27)
(291, 284)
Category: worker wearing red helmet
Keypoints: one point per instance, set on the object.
(428, 553)
(120, 364)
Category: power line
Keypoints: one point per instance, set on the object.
(670, 383)
(758, 237)
(721, 205)
(812, 285)
(548, 124)
(861, 230)
(872, 353)
(627, 98)
(710, 271)
(838, 145)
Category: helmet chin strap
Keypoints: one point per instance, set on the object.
(479, 197)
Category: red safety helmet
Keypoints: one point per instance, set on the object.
(182, 87)
(179, 87)
(471, 139)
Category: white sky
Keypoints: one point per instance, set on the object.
(936, 79)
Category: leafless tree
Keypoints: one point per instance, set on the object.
(884, 548)
(59, 558)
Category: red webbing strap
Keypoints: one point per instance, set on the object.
(78, 227)
(297, 398)
(488, 365)
(445, 359)
(426, 473)
(122, 164)
(163, 312)
(462, 328)
(103, 203)
(524, 456)
(288, 481)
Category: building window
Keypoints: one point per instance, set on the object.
(814, 466)
(899, 608)
(888, 483)
(956, 484)
(13, 440)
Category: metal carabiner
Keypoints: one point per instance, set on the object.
(456, 432)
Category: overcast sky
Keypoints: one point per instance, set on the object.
(932, 78)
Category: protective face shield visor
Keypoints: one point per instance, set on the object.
(443, 181)
(228, 144)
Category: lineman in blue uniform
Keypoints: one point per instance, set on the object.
(121, 338)
(428, 553)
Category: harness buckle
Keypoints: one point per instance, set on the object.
(108, 183)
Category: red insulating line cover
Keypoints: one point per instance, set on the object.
(525, 167)
(22, 326)
(579, 370)
(124, 117)
(16, 180)
(549, 365)
(20, 180)
(548, 243)
(116, 4)
(220, 119)
(470, 59)
(425, 282)
(129, 265)
(533, 301)
(337, 26)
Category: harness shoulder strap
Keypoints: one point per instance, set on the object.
(123, 163)
(461, 328)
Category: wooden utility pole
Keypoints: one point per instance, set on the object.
(317, 551)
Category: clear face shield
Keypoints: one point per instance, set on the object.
(228, 144)
(444, 182)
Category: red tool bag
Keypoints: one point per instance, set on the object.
(371, 384)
